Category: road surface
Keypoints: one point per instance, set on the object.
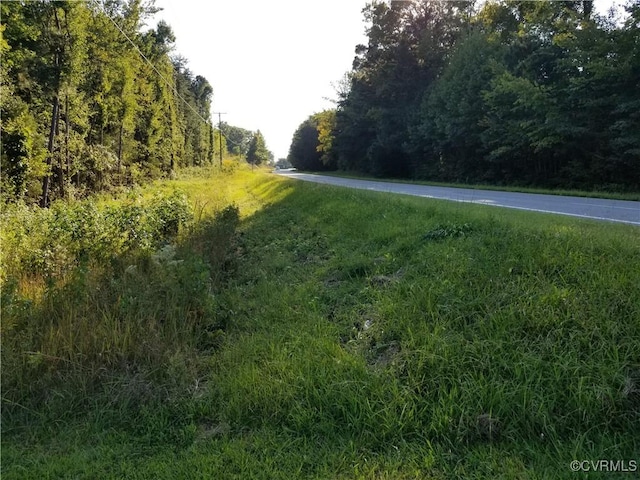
(622, 211)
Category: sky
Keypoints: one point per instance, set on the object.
(271, 63)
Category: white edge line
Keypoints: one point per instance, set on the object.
(556, 213)
(628, 222)
(538, 210)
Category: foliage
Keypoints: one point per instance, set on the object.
(447, 134)
(238, 139)
(330, 333)
(407, 50)
(107, 301)
(83, 111)
(303, 152)
(326, 126)
(311, 146)
(56, 241)
(503, 92)
(257, 153)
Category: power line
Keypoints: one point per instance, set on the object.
(175, 90)
(232, 142)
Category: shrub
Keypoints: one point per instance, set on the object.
(96, 295)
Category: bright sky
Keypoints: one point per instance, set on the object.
(271, 63)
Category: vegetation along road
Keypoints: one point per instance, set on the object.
(600, 209)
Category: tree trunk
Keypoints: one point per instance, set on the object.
(66, 136)
(120, 150)
(46, 181)
(44, 200)
(60, 160)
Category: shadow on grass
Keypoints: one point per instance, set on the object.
(357, 323)
(117, 337)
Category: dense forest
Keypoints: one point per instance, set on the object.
(91, 100)
(504, 92)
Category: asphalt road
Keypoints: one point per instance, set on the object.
(595, 208)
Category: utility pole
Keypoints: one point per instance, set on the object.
(220, 132)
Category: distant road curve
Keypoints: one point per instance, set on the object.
(621, 211)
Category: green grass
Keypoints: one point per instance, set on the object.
(345, 334)
(612, 195)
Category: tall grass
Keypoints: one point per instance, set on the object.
(403, 321)
(328, 333)
(108, 303)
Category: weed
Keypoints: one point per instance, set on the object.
(448, 230)
(307, 331)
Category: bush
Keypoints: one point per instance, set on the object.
(51, 242)
(100, 295)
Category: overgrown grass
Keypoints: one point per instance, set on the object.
(333, 334)
(106, 305)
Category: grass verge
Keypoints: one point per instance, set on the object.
(347, 334)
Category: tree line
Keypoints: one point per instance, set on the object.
(514, 92)
(245, 143)
(90, 101)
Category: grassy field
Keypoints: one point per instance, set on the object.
(311, 332)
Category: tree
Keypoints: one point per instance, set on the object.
(283, 163)
(554, 107)
(257, 153)
(311, 146)
(326, 125)
(446, 139)
(238, 139)
(82, 110)
(23, 152)
(543, 93)
(408, 44)
(303, 152)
